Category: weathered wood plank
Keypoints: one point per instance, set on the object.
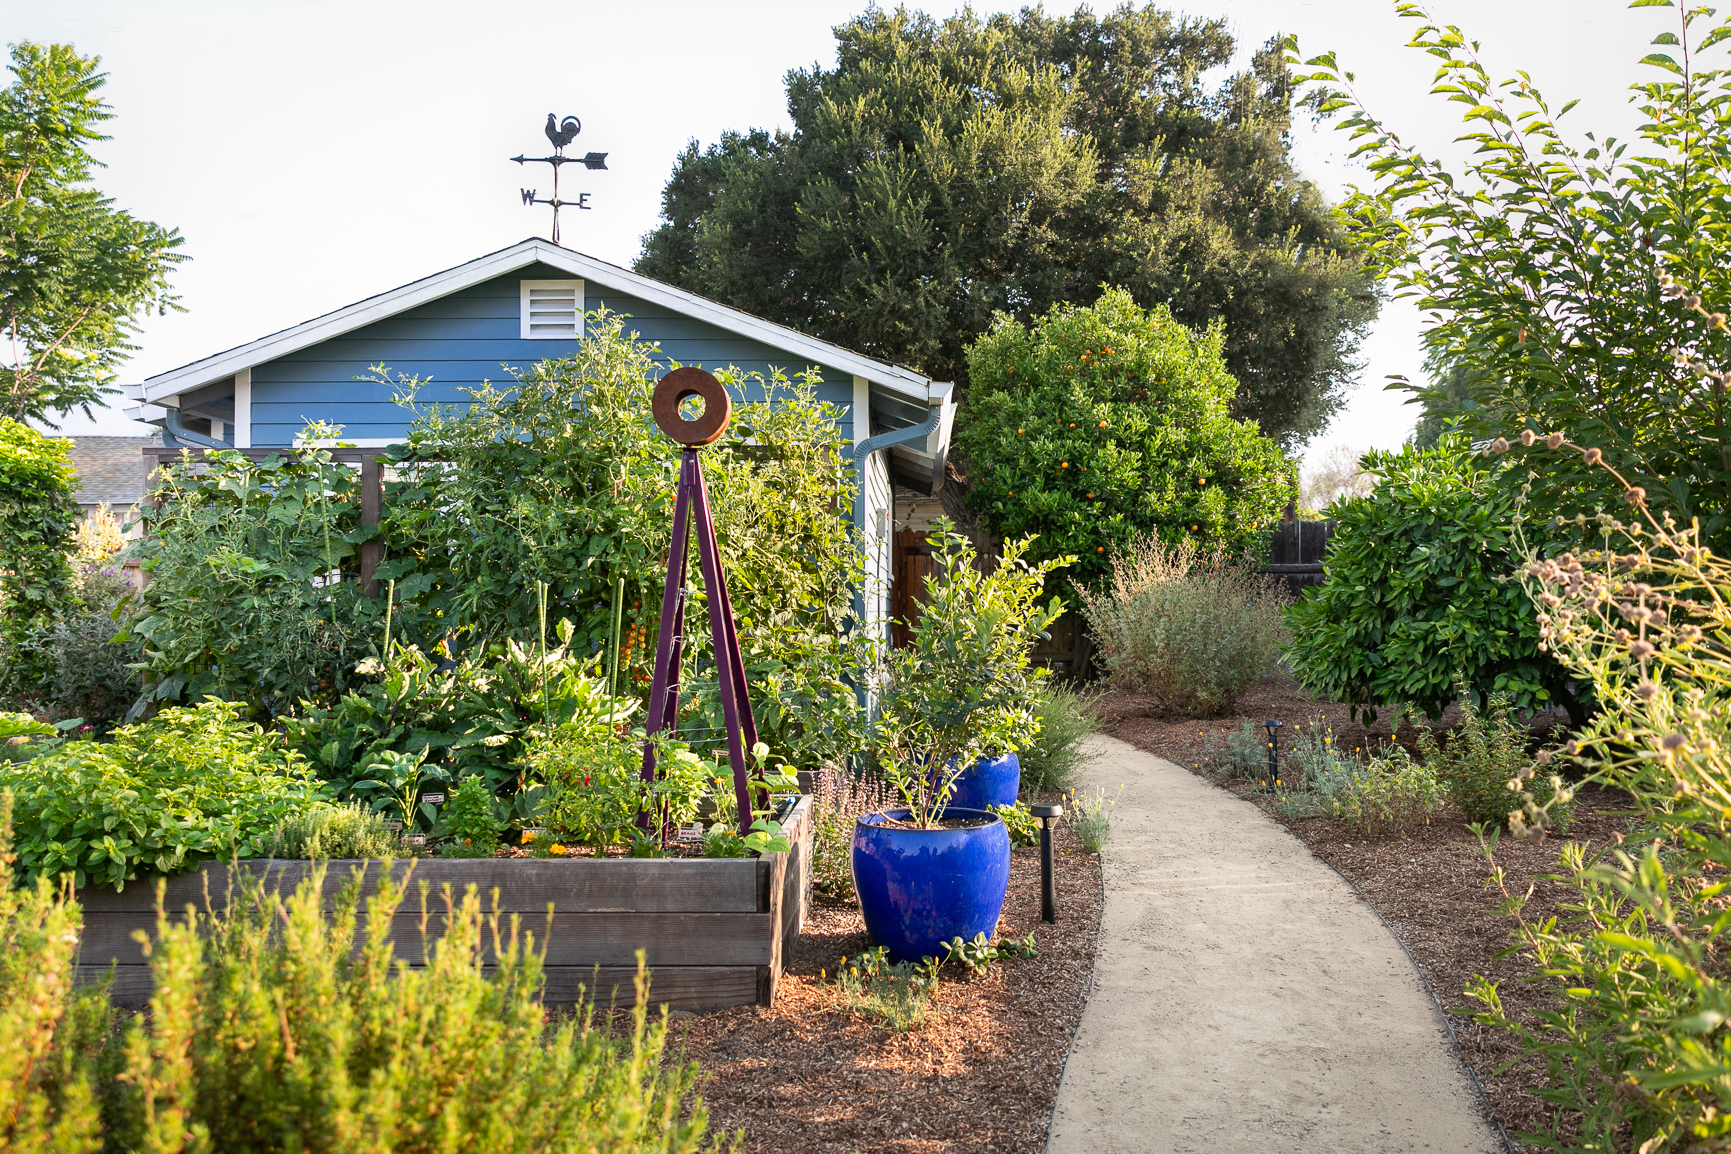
(609, 939)
(677, 885)
(680, 987)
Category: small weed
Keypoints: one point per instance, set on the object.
(1092, 819)
(1024, 827)
(897, 994)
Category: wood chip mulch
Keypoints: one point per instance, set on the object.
(980, 1075)
(1431, 887)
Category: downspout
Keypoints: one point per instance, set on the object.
(177, 433)
(864, 449)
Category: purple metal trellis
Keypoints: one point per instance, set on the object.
(692, 503)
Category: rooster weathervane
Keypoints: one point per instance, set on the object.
(561, 133)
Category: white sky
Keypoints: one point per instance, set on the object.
(314, 153)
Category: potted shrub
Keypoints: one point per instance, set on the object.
(932, 869)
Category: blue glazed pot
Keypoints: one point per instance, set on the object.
(918, 888)
(989, 781)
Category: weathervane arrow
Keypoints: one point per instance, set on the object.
(561, 133)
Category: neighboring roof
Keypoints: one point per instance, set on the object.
(111, 470)
(903, 381)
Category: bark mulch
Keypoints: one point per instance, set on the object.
(981, 1074)
(1431, 888)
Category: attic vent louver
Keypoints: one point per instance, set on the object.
(551, 309)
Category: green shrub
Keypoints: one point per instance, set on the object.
(838, 800)
(1484, 754)
(268, 1032)
(1418, 592)
(332, 831)
(1390, 796)
(596, 788)
(1192, 627)
(188, 785)
(471, 827)
(38, 509)
(1097, 426)
(1053, 756)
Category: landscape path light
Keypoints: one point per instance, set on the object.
(1273, 751)
(1048, 894)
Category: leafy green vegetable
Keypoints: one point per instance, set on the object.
(188, 785)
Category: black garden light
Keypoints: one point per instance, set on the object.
(1273, 751)
(1048, 894)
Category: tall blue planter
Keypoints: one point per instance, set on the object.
(989, 781)
(918, 888)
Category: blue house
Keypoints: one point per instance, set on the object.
(525, 304)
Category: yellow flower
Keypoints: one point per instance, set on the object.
(557, 850)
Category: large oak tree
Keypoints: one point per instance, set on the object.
(942, 172)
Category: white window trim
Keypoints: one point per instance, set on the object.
(523, 289)
(243, 409)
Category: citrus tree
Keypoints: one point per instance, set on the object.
(1094, 425)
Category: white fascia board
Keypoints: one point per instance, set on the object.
(334, 324)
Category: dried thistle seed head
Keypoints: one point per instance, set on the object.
(1646, 691)
(1672, 741)
(1500, 445)
(1554, 441)
(1544, 757)
(1592, 456)
(1635, 495)
(1528, 437)
(1641, 650)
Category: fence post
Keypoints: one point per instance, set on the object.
(372, 497)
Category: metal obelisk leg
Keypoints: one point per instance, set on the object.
(729, 666)
(664, 685)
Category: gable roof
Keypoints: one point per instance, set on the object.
(902, 381)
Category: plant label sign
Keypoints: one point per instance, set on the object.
(433, 798)
(690, 833)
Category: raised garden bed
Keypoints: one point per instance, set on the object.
(714, 932)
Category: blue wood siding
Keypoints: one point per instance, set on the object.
(466, 338)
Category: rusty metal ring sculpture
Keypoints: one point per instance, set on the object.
(672, 389)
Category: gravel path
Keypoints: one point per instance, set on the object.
(1244, 998)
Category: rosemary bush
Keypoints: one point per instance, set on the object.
(1051, 758)
(1192, 626)
(269, 1032)
(332, 831)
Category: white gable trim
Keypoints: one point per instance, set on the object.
(518, 256)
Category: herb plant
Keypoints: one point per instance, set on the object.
(898, 994)
(838, 800)
(1024, 827)
(471, 827)
(1483, 755)
(1091, 818)
(266, 1018)
(188, 785)
(332, 831)
(1053, 756)
(1390, 796)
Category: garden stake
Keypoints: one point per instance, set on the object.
(1273, 752)
(618, 621)
(1048, 892)
(691, 510)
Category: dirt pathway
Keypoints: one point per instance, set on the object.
(1244, 998)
